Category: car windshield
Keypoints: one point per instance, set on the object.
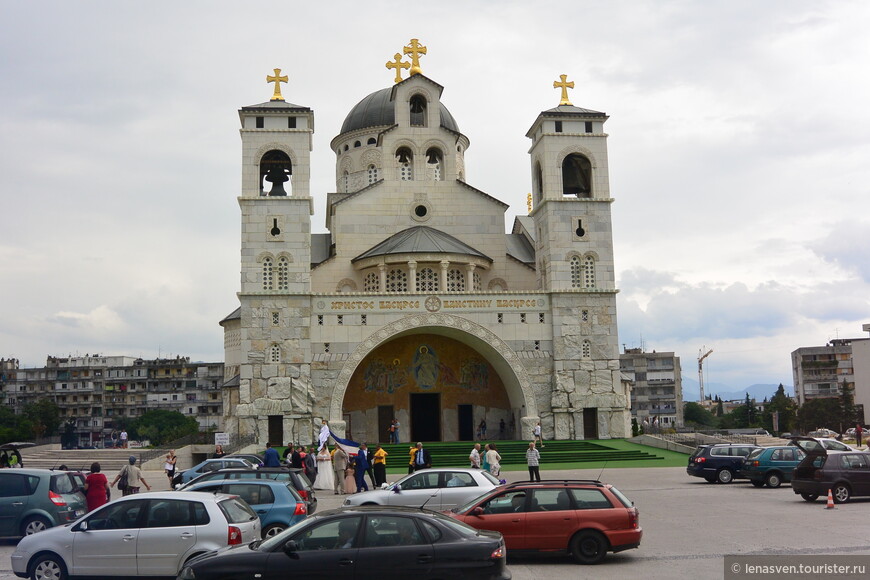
(493, 479)
(460, 528)
(278, 539)
(460, 509)
(755, 454)
(237, 511)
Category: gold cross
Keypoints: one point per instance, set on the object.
(277, 79)
(398, 65)
(415, 49)
(564, 86)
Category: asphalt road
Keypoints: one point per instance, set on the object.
(689, 527)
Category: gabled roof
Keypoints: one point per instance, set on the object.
(421, 240)
(234, 315)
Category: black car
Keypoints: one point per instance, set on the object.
(845, 473)
(365, 542)
(294, 475)
(719, 462)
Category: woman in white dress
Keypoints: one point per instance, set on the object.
(494, 460)
(325, 476)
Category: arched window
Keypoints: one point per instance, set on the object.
(357, 144)
(538, 182)
(434, 163)
(345, 182)
(586, 349)
(372, 282)
(405, 161)
(275, 353)
(371, 141)
(275, 171)
(576, 176)
(427, 280)
(576, 272)
(397, 281)
(589, 272)
(283, 273)
(418, 111)
(267, 273)
(455, 281)
(373, 174)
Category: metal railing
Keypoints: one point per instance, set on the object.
(202, 438)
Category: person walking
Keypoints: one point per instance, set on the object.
(134, 478)
(412, 451)
(169, 465)
(379, 464)
(350, 476)
(494, 460)
(481, 429)
(539, 434)
(309, 464)
(533, 459)
(422, 458)
(123, 438)
(339, 466)
(859, 431)
(325, 474)
(484, 461)
(474, 456)
(361, 465)
(270, 456)
(96, 488)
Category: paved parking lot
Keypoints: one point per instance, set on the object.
(689, 526)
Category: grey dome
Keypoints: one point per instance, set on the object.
(377, 110)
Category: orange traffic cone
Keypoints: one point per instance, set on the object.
(830, 505)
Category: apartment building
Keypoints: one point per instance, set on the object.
(820, 371)
(657, 387)
(96, 391)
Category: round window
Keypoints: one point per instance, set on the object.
(421, 211)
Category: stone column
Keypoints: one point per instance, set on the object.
(382, 273)
(412, 276)
(444, 265)
(469, 277)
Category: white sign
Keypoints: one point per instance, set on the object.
(221, 438)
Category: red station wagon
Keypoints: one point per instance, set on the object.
(585, 518)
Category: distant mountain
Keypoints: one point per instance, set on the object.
(725, 392)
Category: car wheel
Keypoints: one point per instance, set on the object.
(757, 483)
(588, 547)
(47, 567)
(773, 480)
(273, 530)
(810, 496)
(33, 525)
(841, 493)
(725, 476)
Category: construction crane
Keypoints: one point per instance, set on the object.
(701, 358)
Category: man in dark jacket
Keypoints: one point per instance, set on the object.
(296, 457)
(362, 465)
(422, 458)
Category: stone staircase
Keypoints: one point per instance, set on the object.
(51, 457)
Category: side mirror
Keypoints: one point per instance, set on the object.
(82, 527)
(478, 511)
(290, 546)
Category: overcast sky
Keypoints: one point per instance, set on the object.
(739, 157)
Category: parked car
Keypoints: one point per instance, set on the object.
(845, 473)
(436, 489)
(211, 465)
(294, 475)
(585, 518)
(830, 444)
(148, 534)
(821, 432)
(363, 543)
(771, 466)
(32, 500)
(719, 462)
(276, 503)
(255, 459)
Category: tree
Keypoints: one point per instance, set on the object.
(161, 426)
(695, 414)
(787, 409)
(44, 415)
(817, 413)
(720, 409)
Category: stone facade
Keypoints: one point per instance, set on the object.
(417, 305)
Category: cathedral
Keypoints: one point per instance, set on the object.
(417, 305)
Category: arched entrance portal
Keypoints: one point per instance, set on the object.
(439, 375)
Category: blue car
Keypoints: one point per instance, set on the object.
(277, 503)
(771, 466)
(210, 465)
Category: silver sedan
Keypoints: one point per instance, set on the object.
(436, 489)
